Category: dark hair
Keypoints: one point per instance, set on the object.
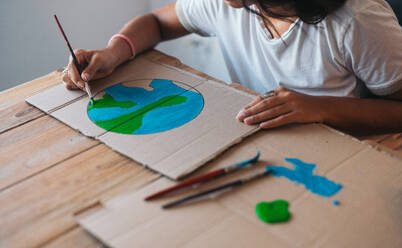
(309, 11)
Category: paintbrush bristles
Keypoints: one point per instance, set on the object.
(88, 90)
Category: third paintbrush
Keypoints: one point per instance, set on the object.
(218, 190)
(205, 177)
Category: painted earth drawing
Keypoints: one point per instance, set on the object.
(145, 106)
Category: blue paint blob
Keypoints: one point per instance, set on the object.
(303, 174)
(335, 202)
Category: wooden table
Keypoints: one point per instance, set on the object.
(49, 172)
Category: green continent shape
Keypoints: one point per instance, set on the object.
(273, 212)
(129, 123)
(108, 101)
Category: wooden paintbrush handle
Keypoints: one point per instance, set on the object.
(188, 182)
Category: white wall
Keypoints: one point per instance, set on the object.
(31, 45)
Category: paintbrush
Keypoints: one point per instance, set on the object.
(77, 65)
(205, 177)
(210, 193)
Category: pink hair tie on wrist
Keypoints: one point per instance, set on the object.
(125, 38)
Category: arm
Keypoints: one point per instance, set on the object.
(370, 115)
(349, 114)
(144, 31)
(148, 30)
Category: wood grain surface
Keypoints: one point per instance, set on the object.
(50, 172)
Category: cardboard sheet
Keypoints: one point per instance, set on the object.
(174, 152)
(368, 215)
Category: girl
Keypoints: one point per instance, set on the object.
(317, 59)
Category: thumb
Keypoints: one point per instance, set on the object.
(94, 65)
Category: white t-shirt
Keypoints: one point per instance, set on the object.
(360, 42)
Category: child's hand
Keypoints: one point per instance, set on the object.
(285, 107)
(95, 64)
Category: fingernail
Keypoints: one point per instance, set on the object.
(248, 120)
(241, 115)
(81, 84)
(85, 76)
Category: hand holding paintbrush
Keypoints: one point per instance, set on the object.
(75, 61)
(87, 65)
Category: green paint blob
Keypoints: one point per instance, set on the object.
(107, 101)
(129, 123)
(273, 212)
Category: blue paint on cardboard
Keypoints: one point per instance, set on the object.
(303, 174)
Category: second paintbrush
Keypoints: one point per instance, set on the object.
(205, 177)
(218, 190)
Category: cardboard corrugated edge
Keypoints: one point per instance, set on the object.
(383, 149)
